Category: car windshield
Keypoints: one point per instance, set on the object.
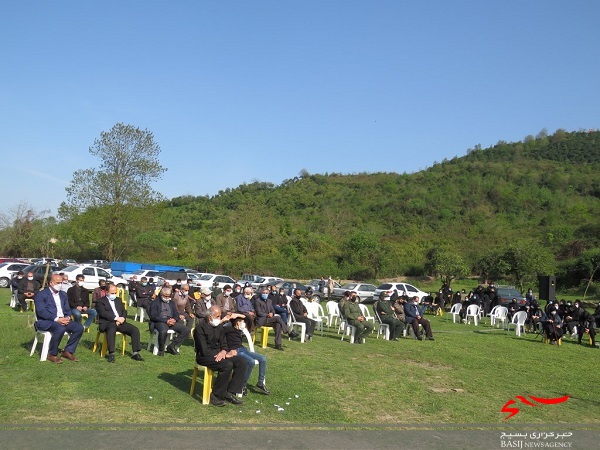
(70, 268)
(385, 286)
(206, 277)
(509, 292)
(349, 286)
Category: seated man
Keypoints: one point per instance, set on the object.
(586, 323)
(112, 317)
(552, 324)
(301, 315)
(99, 292)
(597, 315)
(144, 294)
(235, 339)
(245, 306)
(203, 303)
(280, 301)
(265, 316)
(54, 314)
(211, 351)
(354, 316)
(225, 300)
(27, 290)
(571, 320)
(79, 301)
(164, 317)
(413, 317)
(183, 304)
(386, 314)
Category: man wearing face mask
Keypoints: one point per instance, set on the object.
(235, 338)
(204, 303)
(245, 306)
(164, 317)
(387, 316)
(225, 301)
(212, 351)
(27, 290)
(99, 292)
(280, 301)
(112, 317)
(79, 301)
(265, 316)
(143, 294)
(413, 317)
(54, 314)
(301, 314)
(355, 318)
(183, 305)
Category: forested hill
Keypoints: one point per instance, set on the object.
(540, 196)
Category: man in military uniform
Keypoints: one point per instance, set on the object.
(387, 316)
(355, 318)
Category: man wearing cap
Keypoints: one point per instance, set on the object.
(204, 303)
(54, 314)
(164, 317)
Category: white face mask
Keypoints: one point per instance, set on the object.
(215, 322)
(207, 298)
(80, 283)
(241, 326)
(56, 287)
(227, 293)
(166, 299)
(30, 278)
(112, 296)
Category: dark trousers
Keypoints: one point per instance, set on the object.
(310, 324)
(58, 331)
(424, 323)
(144, 303)
(396, 326)
(111, 329)
(277, 323)
(180, 328)
(231, 373)
(553, 332)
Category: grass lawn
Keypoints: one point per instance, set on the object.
(463, 377)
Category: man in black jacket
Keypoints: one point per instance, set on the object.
(79, 301)
(164, 317)
(265, 316)
(211, 351)
(112, 317)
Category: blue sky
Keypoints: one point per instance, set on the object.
(239, 91)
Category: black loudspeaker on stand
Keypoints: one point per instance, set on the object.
(547, 287)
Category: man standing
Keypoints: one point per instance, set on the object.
(131, 288)
(211, 351)
(164, 317)
(79, 301)
(355, 318)
(112, 317)
(54, 315)
(265, 316)
(413, 316)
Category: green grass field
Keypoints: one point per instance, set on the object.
(464, 377)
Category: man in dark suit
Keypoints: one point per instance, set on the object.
(265, 316)
(413, 316)
(54, 314)
(27, 290)
(164, 317)
(112, 317)
(79, 301)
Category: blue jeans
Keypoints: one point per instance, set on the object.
(91, 316)
(282, 312)
(251, 357)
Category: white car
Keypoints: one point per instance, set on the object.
(208, 279)
(92, 276)
(7, 270)
(401, 288)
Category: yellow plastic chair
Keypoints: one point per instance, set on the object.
(207, 384)
(105, 343)
(264, 337)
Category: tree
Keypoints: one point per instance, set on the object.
(445, 264)
(24, 231)
(120, 186)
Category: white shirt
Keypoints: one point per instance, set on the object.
(59, 311)
(112, 305)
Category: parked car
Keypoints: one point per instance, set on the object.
(314, 283)
(401, 288)
(208, 279)
(286, 284)
(92, 276)
(265, 280)
(364, 292)
(7, 270)
(505, 294)
(39, 271)
(249, 278)
(142, 273)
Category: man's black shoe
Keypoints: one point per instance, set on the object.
(137, 357)
(233, 399)
(420, 337)
(430, 338)
(161, 353)
(170, 349)
(216, 401)
(262, 389)
(279, 347)
(293, 334)
(111, 358)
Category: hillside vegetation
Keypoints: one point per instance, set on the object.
(511, 211)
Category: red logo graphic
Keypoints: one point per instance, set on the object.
(545, 401)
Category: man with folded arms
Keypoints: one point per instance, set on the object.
(112, 317)
(54, 315)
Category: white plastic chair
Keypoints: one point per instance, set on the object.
(367, 314)
(154, 340)
(293, 324)
(518, 321)
(315, 312)
(472, 311)
(382, 328)
(455, 311)
(140, 312)
(45, 336)
(492, 314)
(333, 313)
(501, 315)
